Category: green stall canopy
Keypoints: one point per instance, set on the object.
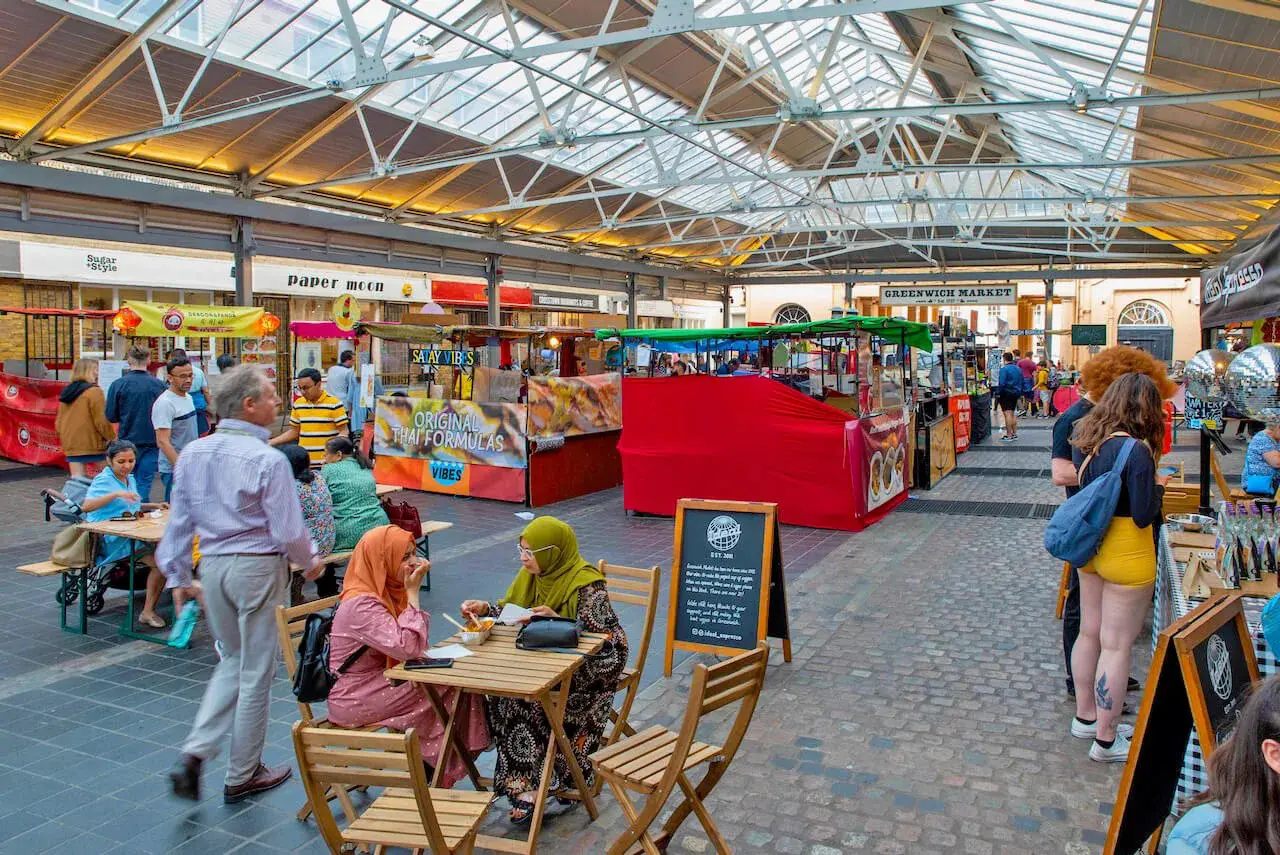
(913, 333)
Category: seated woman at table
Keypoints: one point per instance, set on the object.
(380, 613)
(554, 580)
(1240, 812)
(356, 507)
(317, 512)
(1262, 462)
(114, 492)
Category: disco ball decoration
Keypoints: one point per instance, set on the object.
(1206, 372)
(1253, 382)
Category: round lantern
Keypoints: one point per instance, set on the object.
(1206, 373)
(1253, 382)
(268, 324)
(126, 321)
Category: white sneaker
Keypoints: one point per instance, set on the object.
(1117, 753)
(1080, 730)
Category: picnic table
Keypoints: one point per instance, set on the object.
(145, 530)
(387, 489)
(498, 667)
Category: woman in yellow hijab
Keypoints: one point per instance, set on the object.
(554, 580)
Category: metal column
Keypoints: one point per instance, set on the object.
(1206, 497)
(631, 301)
(493, 288)
(726, 302)
(1048, 320)
(244, 251)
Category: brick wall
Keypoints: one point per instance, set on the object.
(17, 293)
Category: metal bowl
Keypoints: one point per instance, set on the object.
(1253, 382)
(1191, 522)
(1206, 372)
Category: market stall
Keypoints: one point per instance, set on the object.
(821, 429)
(310, 340)
(29, 403)
(520, 415)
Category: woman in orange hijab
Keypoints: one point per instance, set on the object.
(379, 611)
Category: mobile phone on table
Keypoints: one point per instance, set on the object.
(427, 662)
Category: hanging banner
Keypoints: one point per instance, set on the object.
(880, 458)
(962, 409)
(1245, 288)
(572, 406)
(949, 295)
(28, 409)
(173, 319)
(451, 431)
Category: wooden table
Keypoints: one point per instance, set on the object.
(145, 530)
(499, 668)
(387, 489)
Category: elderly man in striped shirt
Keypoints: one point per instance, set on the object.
(236, 493)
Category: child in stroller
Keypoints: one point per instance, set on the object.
(112, 494)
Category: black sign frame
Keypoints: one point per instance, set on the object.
(769, 608)
(1173, 703)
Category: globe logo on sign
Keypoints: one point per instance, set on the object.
(172, 320)
(1219, 668)
(723, 533)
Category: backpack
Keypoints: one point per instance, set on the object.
(313, 679)
(1055, 379)
(1075, 531)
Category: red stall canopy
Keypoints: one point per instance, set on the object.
(741, 438)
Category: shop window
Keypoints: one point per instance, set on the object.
(95, 337)
(393, 355)
(791, 313)
(1144, 313)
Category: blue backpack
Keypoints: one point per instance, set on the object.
(1077, 527)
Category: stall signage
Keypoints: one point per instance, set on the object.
(111, 266)
(1202, 414)
(433, 357)
(475, 294)
(572, 406)
(948, 295)
(880, 458)
(962, 410)
(451, 431)
(565, 300)
(1200, 676)
(728, 592)
(375, 285)
(1026, 332)
(1244, 289)
(1086, 335)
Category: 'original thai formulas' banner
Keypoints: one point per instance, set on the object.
(451, 431)
(571, 406)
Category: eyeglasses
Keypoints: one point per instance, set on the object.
(525, 552)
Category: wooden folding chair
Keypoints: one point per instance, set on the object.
(290, 622)
(1064, 588)
(408, 813)
(1229, 493)
(639, 587)
(654, 761)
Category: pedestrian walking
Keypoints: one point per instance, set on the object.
(341, 377)
(1010, 389)
(83, 429)
(129, 403)
(173, 416)
(237, 495)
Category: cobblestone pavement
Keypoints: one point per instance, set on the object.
(923, 711)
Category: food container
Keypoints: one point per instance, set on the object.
(1192, 522)
(473, 639)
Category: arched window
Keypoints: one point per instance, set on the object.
(791, 313)
(1144, 313)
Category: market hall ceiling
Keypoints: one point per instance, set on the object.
(751, 135)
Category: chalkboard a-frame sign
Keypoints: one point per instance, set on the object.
(1200, 677)
(727, 587)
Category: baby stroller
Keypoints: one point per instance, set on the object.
(64, 505)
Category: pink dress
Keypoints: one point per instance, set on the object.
(362, 696)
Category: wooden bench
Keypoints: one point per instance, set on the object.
(331, 558)
(74, 585)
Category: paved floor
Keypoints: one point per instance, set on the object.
(923, 712)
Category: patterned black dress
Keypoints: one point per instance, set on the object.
(521, 729)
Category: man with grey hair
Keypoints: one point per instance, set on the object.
(236, 493)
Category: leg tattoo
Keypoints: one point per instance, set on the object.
(1103, 694)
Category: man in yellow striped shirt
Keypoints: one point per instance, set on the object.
(316, 418)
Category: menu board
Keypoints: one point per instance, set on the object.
(1204, 414)
(727, 589)
(1200, 677)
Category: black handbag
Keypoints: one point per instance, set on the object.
(542, 632)
(313, 679)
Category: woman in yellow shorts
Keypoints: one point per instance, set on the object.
(1116, 586)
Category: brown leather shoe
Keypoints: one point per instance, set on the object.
(264, 779)
(186, 777)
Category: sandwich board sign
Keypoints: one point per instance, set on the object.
(727, 587)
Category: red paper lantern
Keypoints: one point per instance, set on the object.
(126, 321)
(268, 324)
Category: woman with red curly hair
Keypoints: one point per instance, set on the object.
(1097, 376)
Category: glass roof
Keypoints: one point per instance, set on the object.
(1019, 49)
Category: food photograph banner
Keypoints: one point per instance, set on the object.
(572, 406)
(173, 319)
(451, 431)
(883, 458)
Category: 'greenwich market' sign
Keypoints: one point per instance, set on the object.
(949, 295)
(1244, 289)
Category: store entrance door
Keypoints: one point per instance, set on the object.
(1155, 340)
